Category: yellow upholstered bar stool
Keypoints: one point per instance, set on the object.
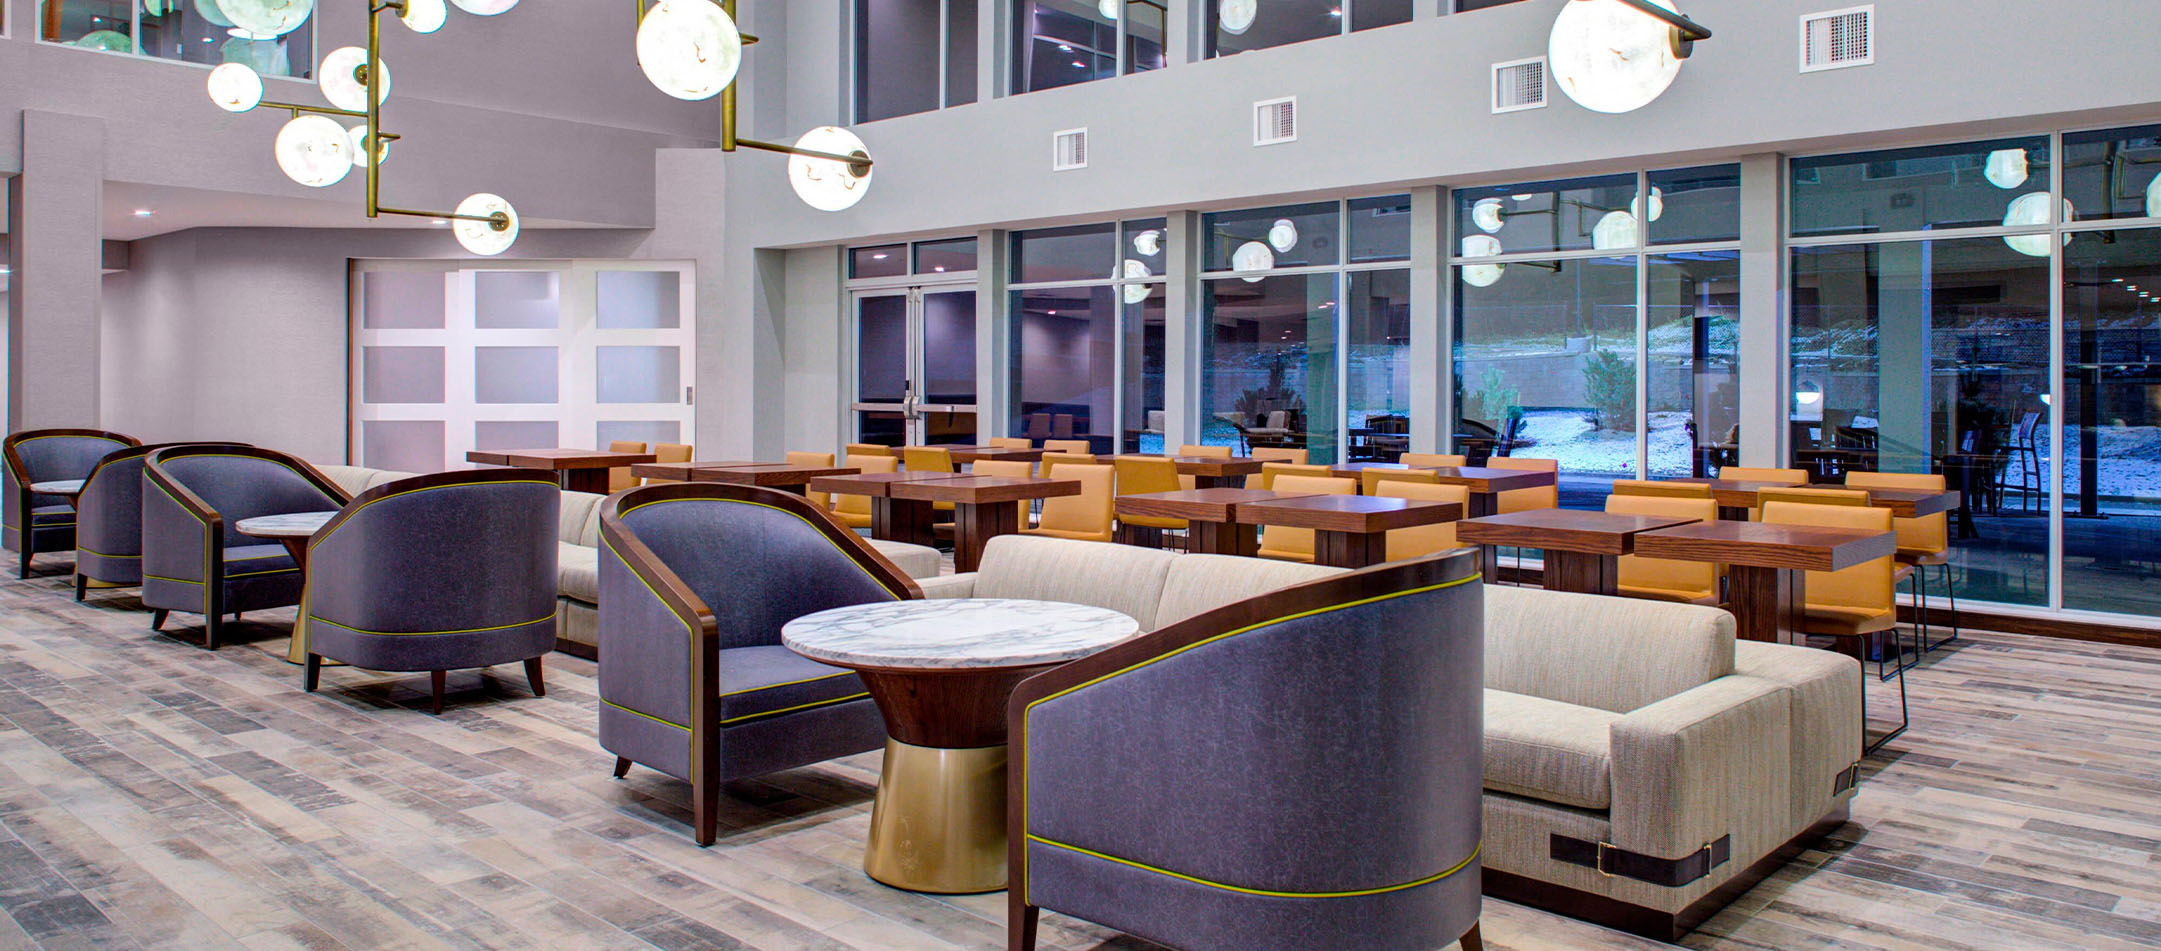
(1853, 606)
(1271, 471)
(1923, 543)
(816, 460)
(1008, 442)
(1008, 468)
(1084, 517)
(1076, 446)
(1665, 579)
(1748, 474)
(1662, 490)
(868, 449)
(1146, 475)
(1435, 459)
(1208, 452)
(1406, 543)
(854, 510)
(1052, 461)
(1296, 457)
(1524, 500)
(619, 478)
(1296, 544)
(1370, 480)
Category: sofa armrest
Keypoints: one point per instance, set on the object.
(948, 586)
(1825, 690)
(1703, 764)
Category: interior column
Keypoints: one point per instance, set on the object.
(55, 254)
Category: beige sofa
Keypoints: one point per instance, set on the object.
(577, 614)
(1637, 724)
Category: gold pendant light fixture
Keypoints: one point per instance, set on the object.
(691, 49)
(317, 150)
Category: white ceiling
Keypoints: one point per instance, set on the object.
(178, 209)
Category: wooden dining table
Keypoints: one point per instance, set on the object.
(1349, 531)
(1767, 565)
(1211, 515)
(579, 470)
(984, 507)
(1211, 472)
(1736, 497)
(682, 471)
(1486, 485)
(891, 519)
(1582, 549)
(967, 454)
(766, 475)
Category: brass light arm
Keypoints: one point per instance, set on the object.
(858, 163)
(1691, 31)
(297, 108)
(499, 220)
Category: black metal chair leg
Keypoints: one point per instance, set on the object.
(1920, 628)
(82, 585)
(1904, 716)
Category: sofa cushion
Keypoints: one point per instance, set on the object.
(1197, 584)
(915, 561)
(1122, 578)
(353, 479)
(378, 477)
(755, 681)
(45, 516)
(577, 571)
(245, 560)
(1548, 750)
(1615, 654)
(578, 520)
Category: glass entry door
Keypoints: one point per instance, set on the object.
(915, 366)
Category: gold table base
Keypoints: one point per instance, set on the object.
(938, 824)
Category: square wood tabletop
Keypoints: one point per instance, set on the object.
(979, 490)
(1756, 544)
(1356, 514)
(680, 471)
(1597, 533)
(875, 484)
(1903, 503)
(1213, 466)
(1484, 480)
(777, 474)
(972, 453)
(1204, 505)
(557, 459)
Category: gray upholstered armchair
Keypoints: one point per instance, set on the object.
(696, 580)
(1297, 770)
(35, 522)
(193, 559)
(439, 572)
(109, 518)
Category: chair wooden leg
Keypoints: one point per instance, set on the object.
(1471, 940)
(1021, 921)
(705, 809)
(532, 676)
(25, 571)
(210, 632)
(82, 585)
(157, 618)
(622, 766)
(435, 690)
(315, 672)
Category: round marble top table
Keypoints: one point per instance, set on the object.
(292, 530)
(941, 672)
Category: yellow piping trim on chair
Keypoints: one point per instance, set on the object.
(184, 510)
(1030, 709)
(1360, 893)
(473, 630)
(806, 680)
(648, 716)
(101, 554)
(821, 532)
(171, 580)
(800, 706)
(257, 574)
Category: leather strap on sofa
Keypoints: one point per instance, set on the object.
(1846, 779)
(1621, 863)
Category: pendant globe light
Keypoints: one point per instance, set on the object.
(315, 149)
(1252, 256)
(1481, 246)
(1618, 56)
(1488, 215)
(1236, 16)
(1111, 9)
(1615, 231)
(267, 18)
(693, 49)
(2153, 198)
(1283, 235)
(2006, 168)
(212, 13)
(1137, 270)
(2028, 210)
(1149, 243)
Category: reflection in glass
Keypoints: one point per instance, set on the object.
(948, 255)
(1077, 253)
(1235, 26)
(1144, 34)
(886, 260)
(1693, 417)
(1546, 368)
(1694, 204)
(175, 30)
(960, 80)
(2114, 173)
(1932, 356)
(898, 57)
(1377, 391)
(1064, 363)
(1268, 363)
(1062, 43)
(1969, 185)
(1543, 216)
(881, 348)
(1380, 228)
(949, 347)
(1142, 340)
(1312, 233)
(2112, 421)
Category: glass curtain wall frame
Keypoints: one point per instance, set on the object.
(1283, 359)
(1064, 42)
(1085, 352)
(2086, 526)
(178, 34)
(899, 296)
(911, 56)
(1274, 23)
(1635, 373)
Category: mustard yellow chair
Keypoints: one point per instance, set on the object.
(1008, 442)
(1406, 543)
(1007, 468)
(1665, 579)
(1923, 543)
(1805, 495)
(1855, 606)
(1432, 459)
(1296, 544)
(1662, 490)
(1747, 474)
(854, 510)
(1084, 517)
(1270, 472)
(619, 478)
(1053, 461)
(1079, 446)
(1146, 475)
(817, 460)
(1369, 480)
(868, 449)
(1524, 500)
(668, 452)
(1205, 452)
(1296, 457)
(930, 459)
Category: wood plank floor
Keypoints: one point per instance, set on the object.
(157, 796)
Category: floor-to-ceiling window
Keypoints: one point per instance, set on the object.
(1062, 42)
(1236, 26)
(1563, 290)
(189, 32)
(1305, 317)
(1935, 292)
(913, 56)
(1085, 327)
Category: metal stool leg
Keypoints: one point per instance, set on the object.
(1904, 716)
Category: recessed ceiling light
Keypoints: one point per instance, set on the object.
(880, 256)
(940, 268)
(144, 212)
(438, 221)
(1336, 12)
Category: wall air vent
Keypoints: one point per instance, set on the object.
(1838, 39)
(1069, 150)
(1519, 85)
(1275, 121)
